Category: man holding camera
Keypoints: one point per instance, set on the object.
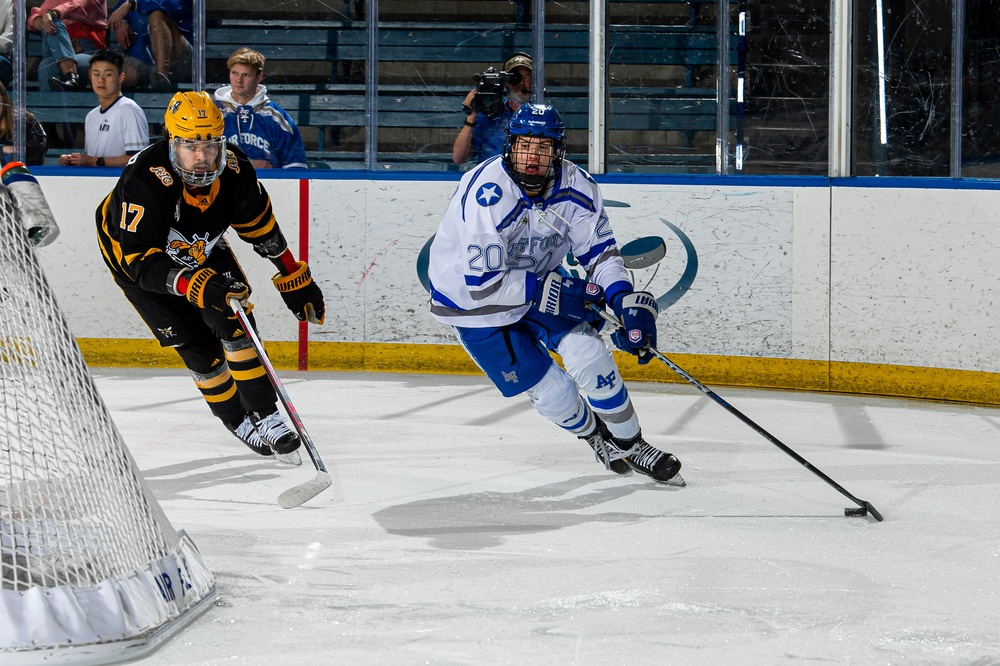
(490, 105)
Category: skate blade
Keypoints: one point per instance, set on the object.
(676, 480)
(292, 458)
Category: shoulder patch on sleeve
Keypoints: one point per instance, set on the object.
(163, 174)
(489, 194)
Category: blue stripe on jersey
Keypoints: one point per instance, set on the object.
(512, 216)
(479, 280)
(442, 299)
(595, 251)
(569, 194)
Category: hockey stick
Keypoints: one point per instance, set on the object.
(865, 507)
(303, 492)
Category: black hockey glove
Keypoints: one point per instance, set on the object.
(302, 296)
(637, 312)
(210, 290)
(565, 296)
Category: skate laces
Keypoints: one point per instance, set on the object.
(604, 451)
(644, 455)
(273, 428)
(248, 433)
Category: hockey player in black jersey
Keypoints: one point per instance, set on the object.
(161, 234)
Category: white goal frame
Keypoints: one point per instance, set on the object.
(91, 570)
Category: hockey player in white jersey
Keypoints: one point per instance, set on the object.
(496, 278)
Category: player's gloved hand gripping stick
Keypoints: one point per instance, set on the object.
(864, 507)
(305, 491)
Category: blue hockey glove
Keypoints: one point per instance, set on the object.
(637, 312)
(570, 297)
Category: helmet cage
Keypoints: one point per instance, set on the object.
(535, 120)
(198, 178)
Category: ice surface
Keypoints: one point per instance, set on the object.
(462, 528)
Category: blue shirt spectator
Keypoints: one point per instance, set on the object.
(261, 128)
(156, 36)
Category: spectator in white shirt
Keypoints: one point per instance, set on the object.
(116, 129)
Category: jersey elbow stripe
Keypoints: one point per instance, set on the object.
(599, 253)
(482, 294)
(442, 311)
(479, 280)
(266, 214)
(257, 232)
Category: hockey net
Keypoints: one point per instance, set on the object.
(91, 570)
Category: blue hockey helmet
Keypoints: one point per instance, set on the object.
(535, 120)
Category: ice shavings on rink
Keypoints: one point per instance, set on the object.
(461, 528)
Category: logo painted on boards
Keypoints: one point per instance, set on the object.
(489, 194)
(509, 376)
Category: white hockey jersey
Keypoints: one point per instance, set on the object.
(494, 244)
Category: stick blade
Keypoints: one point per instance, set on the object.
(304, 492)
(643, 252)
(873, 511)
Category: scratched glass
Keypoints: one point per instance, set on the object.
(690, 86)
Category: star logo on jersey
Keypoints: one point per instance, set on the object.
(489, 194)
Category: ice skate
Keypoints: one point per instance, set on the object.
(282, 439)
(606, 451)
(643, 458)
(247, 434)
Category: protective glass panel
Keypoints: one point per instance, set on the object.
(981, 90)
(902, 87)
(788, 77)
(664, 85)
(429, 57)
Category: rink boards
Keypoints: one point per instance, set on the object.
(880, 286)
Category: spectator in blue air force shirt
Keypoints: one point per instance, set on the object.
(261, 128)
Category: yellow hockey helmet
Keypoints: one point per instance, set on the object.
(194, 116)
(195, 125)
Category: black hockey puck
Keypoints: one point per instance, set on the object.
(856, 511)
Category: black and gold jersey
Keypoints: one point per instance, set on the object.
(151, 224)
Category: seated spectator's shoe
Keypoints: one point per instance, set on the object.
(158, 82)
(660, 466)
(68, 82)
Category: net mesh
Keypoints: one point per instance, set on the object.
(73, 509)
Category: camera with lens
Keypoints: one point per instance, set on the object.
(490, 92)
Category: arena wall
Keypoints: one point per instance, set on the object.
(882, 286)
